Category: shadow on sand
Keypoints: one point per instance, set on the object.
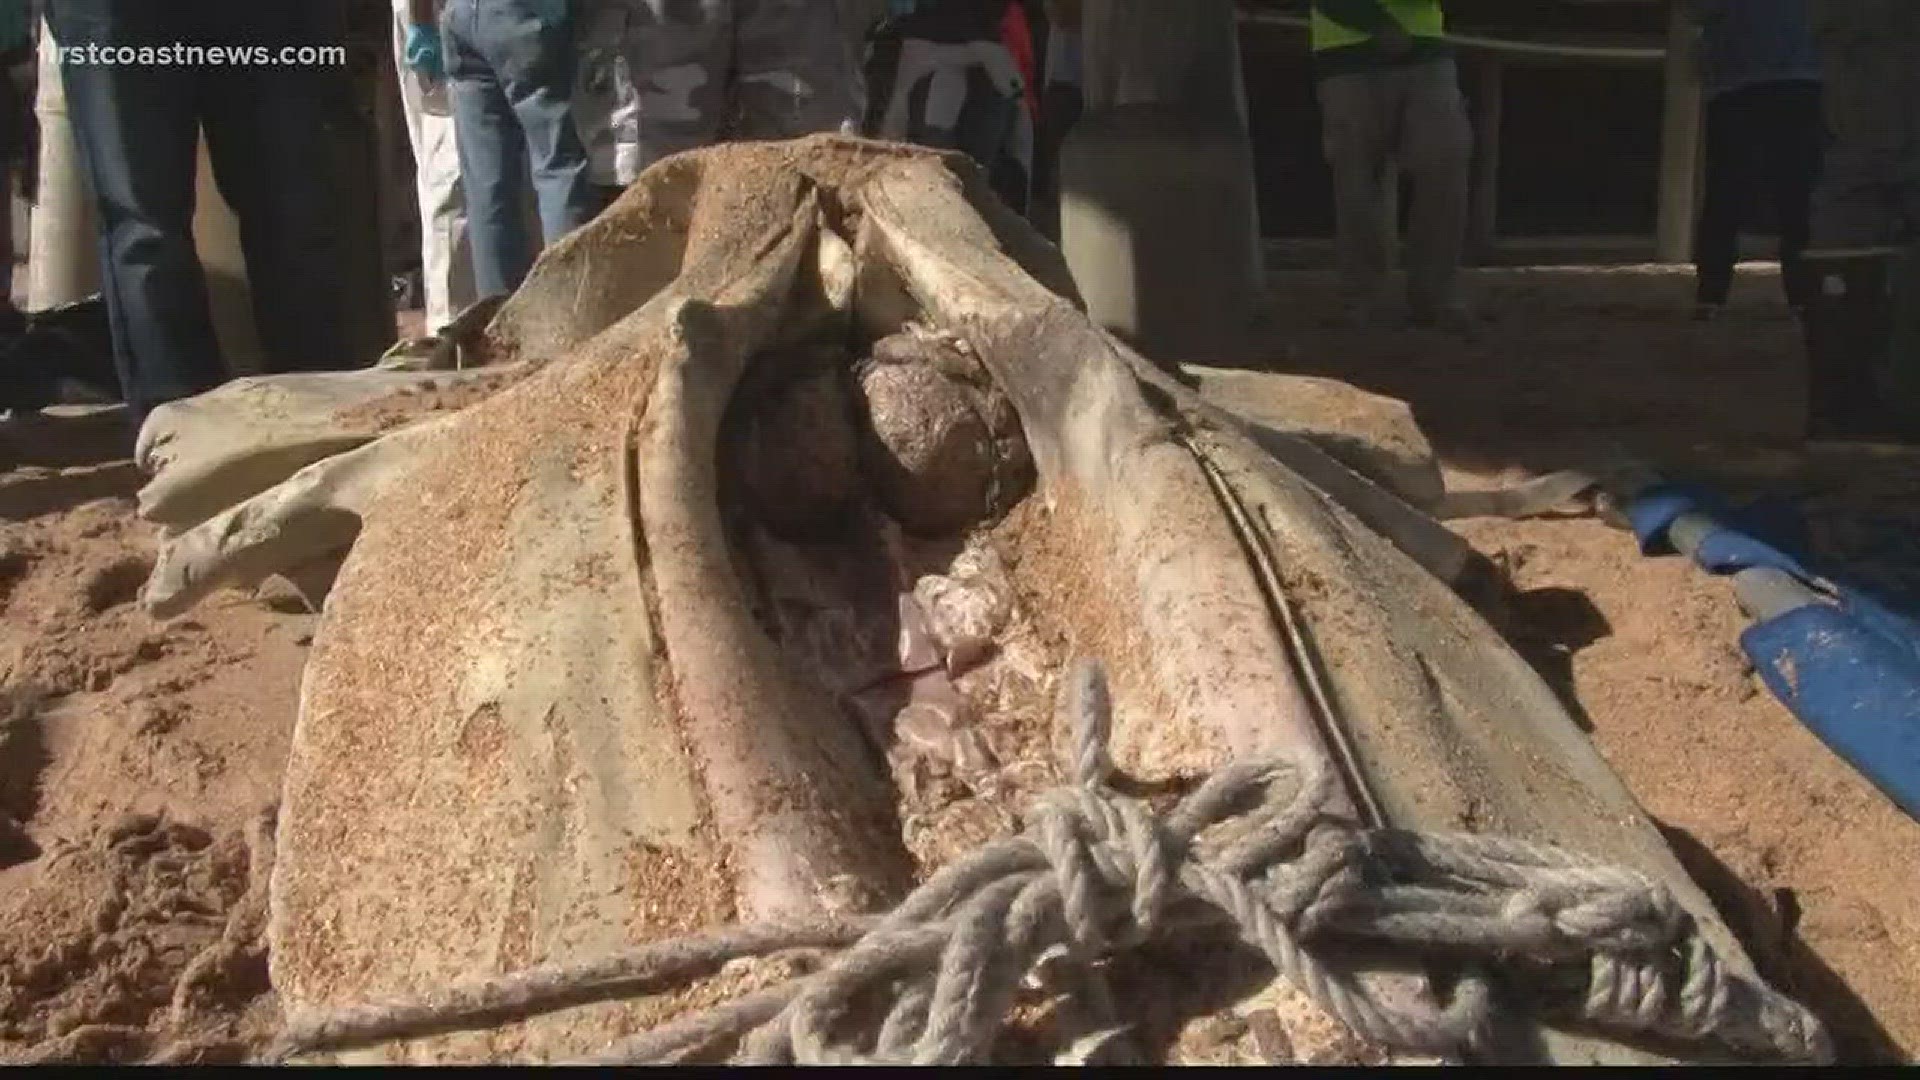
(56, 461)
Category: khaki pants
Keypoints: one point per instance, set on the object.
(1417, 116)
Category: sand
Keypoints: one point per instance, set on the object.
(1811, 865)
(133, 756)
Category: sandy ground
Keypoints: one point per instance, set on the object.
(136, 757)
(1811, 865)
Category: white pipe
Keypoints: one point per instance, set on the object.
(63, 251)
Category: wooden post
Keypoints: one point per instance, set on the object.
(1679, 142)
(1150, 52)
(1393, 192)
(1159, 218)
(1483, 221)
(367, 316)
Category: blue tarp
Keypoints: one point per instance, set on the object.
(1856, 689)
(1733, 548)
(1849, 669)
(1770, 533)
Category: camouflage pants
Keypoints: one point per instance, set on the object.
(664, 76)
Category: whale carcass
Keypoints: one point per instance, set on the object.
(730, 572)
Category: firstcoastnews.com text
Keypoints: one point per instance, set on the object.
(94, 54)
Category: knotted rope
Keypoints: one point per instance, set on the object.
(1096, 874)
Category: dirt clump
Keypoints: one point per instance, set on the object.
(141, 968)
(945, 449)
(933, 464)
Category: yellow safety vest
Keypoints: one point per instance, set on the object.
(1419, 18)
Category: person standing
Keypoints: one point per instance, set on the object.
(1765, 136)
(1863, 321)
(607, 104)
(1389, 89)
(1868, 194)
(727, 69)
(511, 67)
(446, 260)
(269, 124)
(948, 74)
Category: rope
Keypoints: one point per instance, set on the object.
(1630, 53)
(1096, 874)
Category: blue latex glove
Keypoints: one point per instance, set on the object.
(423, 51)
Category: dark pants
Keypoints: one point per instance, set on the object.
(138, 128)
(1762, 141)
(510, 79)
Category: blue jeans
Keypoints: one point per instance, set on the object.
(138, 130)
(510, 75)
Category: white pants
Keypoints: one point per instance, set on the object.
(447, 263)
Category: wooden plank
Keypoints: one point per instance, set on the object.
(1393, 190)
(1483, 221)
(1680, 139)
(1522, 46)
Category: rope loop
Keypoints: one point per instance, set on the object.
(1096, 874)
